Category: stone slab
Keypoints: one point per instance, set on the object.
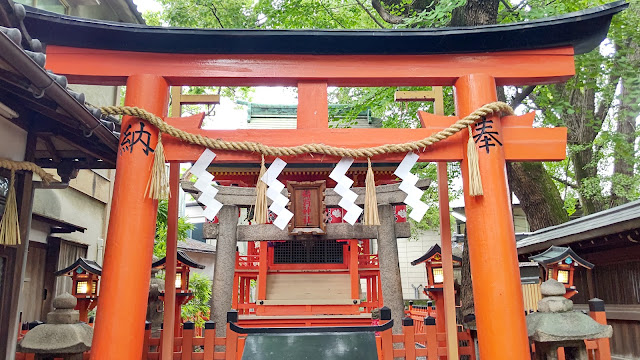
(269, 232)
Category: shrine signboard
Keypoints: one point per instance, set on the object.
(306, 201)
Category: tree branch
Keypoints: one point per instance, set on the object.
(331, 15)
(517, 100)
(565, 182)
(214, 12)
(507, 5)
(370, 14)
(385, 15)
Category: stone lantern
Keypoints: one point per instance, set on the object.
(63, 336)
(556, 325)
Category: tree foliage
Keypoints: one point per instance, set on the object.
(599, 106)
(160, 242)
(197, 309)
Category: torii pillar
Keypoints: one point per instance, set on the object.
(127, 262)
(502, 330)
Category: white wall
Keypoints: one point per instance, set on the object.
(13, 140)
(206, 259)
(409, 250)
(78, 208)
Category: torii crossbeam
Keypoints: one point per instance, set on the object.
(474, 60)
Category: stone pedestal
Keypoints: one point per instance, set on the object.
(63, 336)
(556, 325)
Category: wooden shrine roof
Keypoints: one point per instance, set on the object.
(583, 30)
(182, 257)
(555, 254)
(435, 249)
(89, 266)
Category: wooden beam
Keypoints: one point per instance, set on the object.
(178, 99)
(313, 106)
(246, 196)
(518, 138)
(51, 148)
(204, 99)
(109, 67)
(338, 231)
(423, 95)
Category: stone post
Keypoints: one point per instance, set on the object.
(389, 266)
(222, 290)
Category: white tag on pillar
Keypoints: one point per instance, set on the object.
(274, 192)
(204, 182)
(408, 185)
(343, 188)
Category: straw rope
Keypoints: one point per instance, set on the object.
(9, 225)
(368, 152)
(27, 166)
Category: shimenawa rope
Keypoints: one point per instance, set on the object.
(159, 181)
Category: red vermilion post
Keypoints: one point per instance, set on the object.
(124, 289)
(171, 319)
(492, 245)
(353, 271)
(449, 298)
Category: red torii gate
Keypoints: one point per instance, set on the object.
(489, 218)
(148, 75)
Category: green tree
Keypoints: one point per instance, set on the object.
(197, 309)
(160, 242)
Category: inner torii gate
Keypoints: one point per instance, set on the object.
(150, 60)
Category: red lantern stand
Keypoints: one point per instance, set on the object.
(432, 260)
(182, 293)
(85, 275)
(560, 263)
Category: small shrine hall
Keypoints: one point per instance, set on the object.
(322, 243)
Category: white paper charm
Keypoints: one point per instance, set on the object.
(204, 182)
(343, 188)
(408, 185)
(274, 192)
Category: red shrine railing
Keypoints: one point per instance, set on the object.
(419, 339)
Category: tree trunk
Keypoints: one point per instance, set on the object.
(476, 12)
(624, 159)
(538, 195)
(534, 187)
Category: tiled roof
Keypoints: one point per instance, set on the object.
(192, 245)
(619, 218)
(41, 90)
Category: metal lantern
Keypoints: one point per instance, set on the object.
(85, 275)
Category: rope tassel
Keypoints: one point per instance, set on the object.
(9, 225)
(158, 185)
(260, 214)
(370, 200)
(475, 181)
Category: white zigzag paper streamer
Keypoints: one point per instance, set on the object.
(343, 188)
(205, 179)
(408, 185)
(274, 192)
